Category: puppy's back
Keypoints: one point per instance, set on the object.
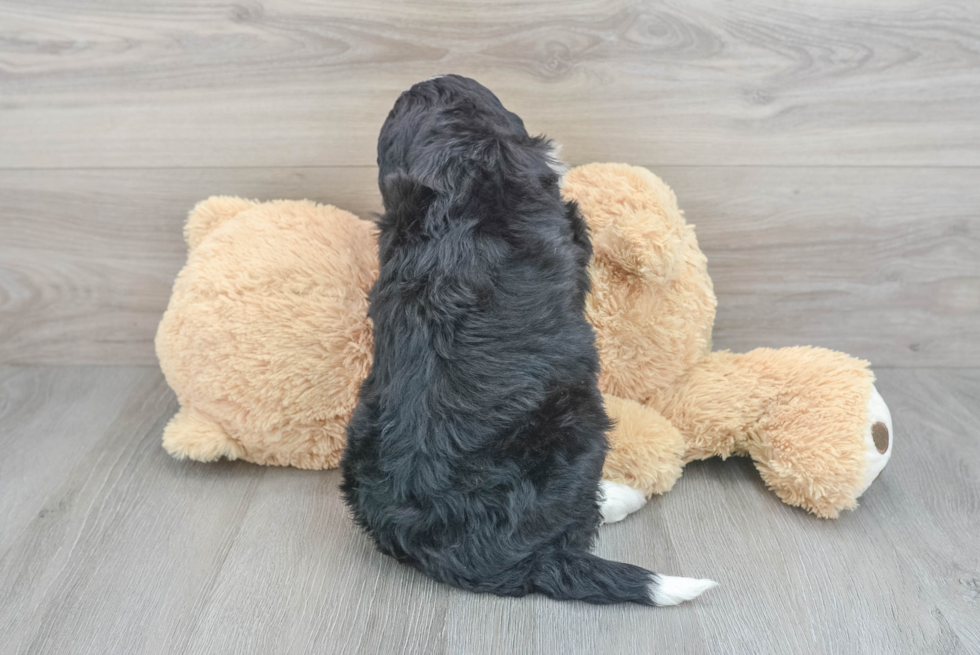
(477, 445)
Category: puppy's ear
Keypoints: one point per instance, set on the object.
(404, 196)
(407, 202)
(553, 172)
(555, 163)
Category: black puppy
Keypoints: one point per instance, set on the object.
(476, 448)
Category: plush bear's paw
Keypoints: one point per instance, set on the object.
(617, 501)
(878, 438)
(190, 434)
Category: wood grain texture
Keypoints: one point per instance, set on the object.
(134, 552)
(88, 257)
(66, 411)
(880, 263)
(128, 83)
(883, 263)
(828, 152)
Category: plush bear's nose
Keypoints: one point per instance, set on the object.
(879, 432)
(877, 438)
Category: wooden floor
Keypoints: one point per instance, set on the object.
(828, 152)
(110, 546)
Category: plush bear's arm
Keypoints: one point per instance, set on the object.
(805, 415)
(646, 451)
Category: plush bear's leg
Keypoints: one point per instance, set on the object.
(193, 435)
(644, 457)
(803, 415)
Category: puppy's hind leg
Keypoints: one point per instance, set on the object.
(617, 501)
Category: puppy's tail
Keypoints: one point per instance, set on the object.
(578, 575)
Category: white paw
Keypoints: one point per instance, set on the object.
(668, 590)
(878, 438)
(617, 501)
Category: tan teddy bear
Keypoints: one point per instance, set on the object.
(266, 340)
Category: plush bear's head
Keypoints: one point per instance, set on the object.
(266, 339)
(652, 302)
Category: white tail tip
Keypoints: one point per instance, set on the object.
(668, 590)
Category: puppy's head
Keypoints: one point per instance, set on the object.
(453, 137)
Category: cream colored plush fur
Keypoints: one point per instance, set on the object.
(266, 340)
(800, 413)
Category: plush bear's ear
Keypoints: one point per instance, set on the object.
(209, 214)
(627, 245)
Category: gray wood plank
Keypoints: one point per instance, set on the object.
(293, 83)
(145, 554)
(880, 262)
(65, 412)
(88, 257)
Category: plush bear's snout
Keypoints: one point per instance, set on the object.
(879, 432)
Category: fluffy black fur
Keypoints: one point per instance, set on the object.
(476, 448)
